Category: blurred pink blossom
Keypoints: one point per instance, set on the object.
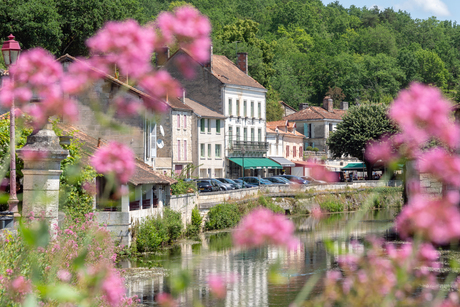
(442, 164)
(319, 172)
(34, 155)
(127, 106)
(316, 213)
(381, 150)
(64, 275)
(90, 188)
(113, 288)
(165, 300)
(436, 220)
(21, 285)
(116, 159)
(218, 284)
(262, 226)
(159, 87)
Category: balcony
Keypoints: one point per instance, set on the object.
(259, 147)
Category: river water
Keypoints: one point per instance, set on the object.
(255, 287)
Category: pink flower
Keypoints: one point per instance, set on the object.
(436, 220)
(9, 271)
(442, 165)
(159, 87)
(165, 300)
(21, 285)
(319, 172)
(64, 275)
(381, 150)
(316, 213)
(127, 106)
(33, 155)
(217, 286)
(115, 159)
(113, 288)
(262, 226)
(90, 188)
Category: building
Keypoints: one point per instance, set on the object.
(208, 148)
(227, 89)
(285, 145)
(287, 109)
(317, 122)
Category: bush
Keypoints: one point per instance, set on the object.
(195, 227)
(332, 205)
(155, 232)
(222, 216)
(309, 148)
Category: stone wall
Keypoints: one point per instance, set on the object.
(184, 204)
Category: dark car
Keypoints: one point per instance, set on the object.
(277, 180)
(255, 181)
(231, 182)
(223, 186)
(207, 185)
(295, 179)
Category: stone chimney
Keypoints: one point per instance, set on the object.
(162, 56)
(209, 63)
(328, 104)
(344, 105)
(303, 106)
(242, 62)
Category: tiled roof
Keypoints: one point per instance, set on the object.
(144, 174)
(313, 112)
(287, 106)
(202, 110)
(288, 133)
(176, 104)
(275, 124)
(227, 72)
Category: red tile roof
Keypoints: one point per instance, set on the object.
(316, 113)
(227, 72)
(202, 110)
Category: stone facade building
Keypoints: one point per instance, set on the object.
(317, 122)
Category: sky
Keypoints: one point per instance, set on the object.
(422, 9)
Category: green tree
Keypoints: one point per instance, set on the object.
(274, 109)
(360, 125)
(431, 68)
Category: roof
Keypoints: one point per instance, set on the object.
(144, 174)
(284, 128)
(316, 113)
(287, 106)
(227, 72)
(202, 110)
(172, 102)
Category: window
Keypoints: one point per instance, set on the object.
(245, 108)
(330, 127)
(238, 108)
(238, 133)
(202, 151)
(185, 150)
(295, 152)
(259, 135)
(178, 150)
(300, 152)
(209, 150)
(178, 120)
(252, 135)
(218, 126)
(230, 107)
(202, 123)
(259, 109)
(217, 147)
(150, 140)
(185, 121)
(252, 108)
(245, 136)
(209, 125)
(287, 150)
(230, 137)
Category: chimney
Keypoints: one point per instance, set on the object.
(209, 63)
(162, 56)
(303, 106)
(344, 105)
(328, 104)
(242, 61)
(183, 96)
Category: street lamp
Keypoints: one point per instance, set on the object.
(243, 151)
(11, 51)
(364, 164)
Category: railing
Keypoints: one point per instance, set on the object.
(249, 146)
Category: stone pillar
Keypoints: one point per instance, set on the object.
(42, 157)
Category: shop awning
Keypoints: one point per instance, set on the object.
(282, 161)
(304, 164)
(354, 167)
(256, 163)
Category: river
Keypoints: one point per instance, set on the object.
(254, 287)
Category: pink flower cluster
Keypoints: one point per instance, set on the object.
(262, 226)
(114, 159)
(443, 165)
(319, 172)
(113, 288)
(218, 284)
(165, 300)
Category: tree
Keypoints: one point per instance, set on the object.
(274, 109)
(360, 125)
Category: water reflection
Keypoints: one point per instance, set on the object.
(215, 254)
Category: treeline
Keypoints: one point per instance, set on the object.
(299, 50)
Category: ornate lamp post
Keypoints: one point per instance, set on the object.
(243, 151)
(11, 51)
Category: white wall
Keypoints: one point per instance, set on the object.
(211, 137)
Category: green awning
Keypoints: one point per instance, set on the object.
(354, 167)
(256, 163)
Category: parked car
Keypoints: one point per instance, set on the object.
(228, 185)
(244, 184)
(277, 180)
(223, 186)
(285, 180)
(231, 182)
(255, 181)
(295, 179)
(207, 185)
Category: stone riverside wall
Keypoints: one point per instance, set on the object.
(120, 223)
